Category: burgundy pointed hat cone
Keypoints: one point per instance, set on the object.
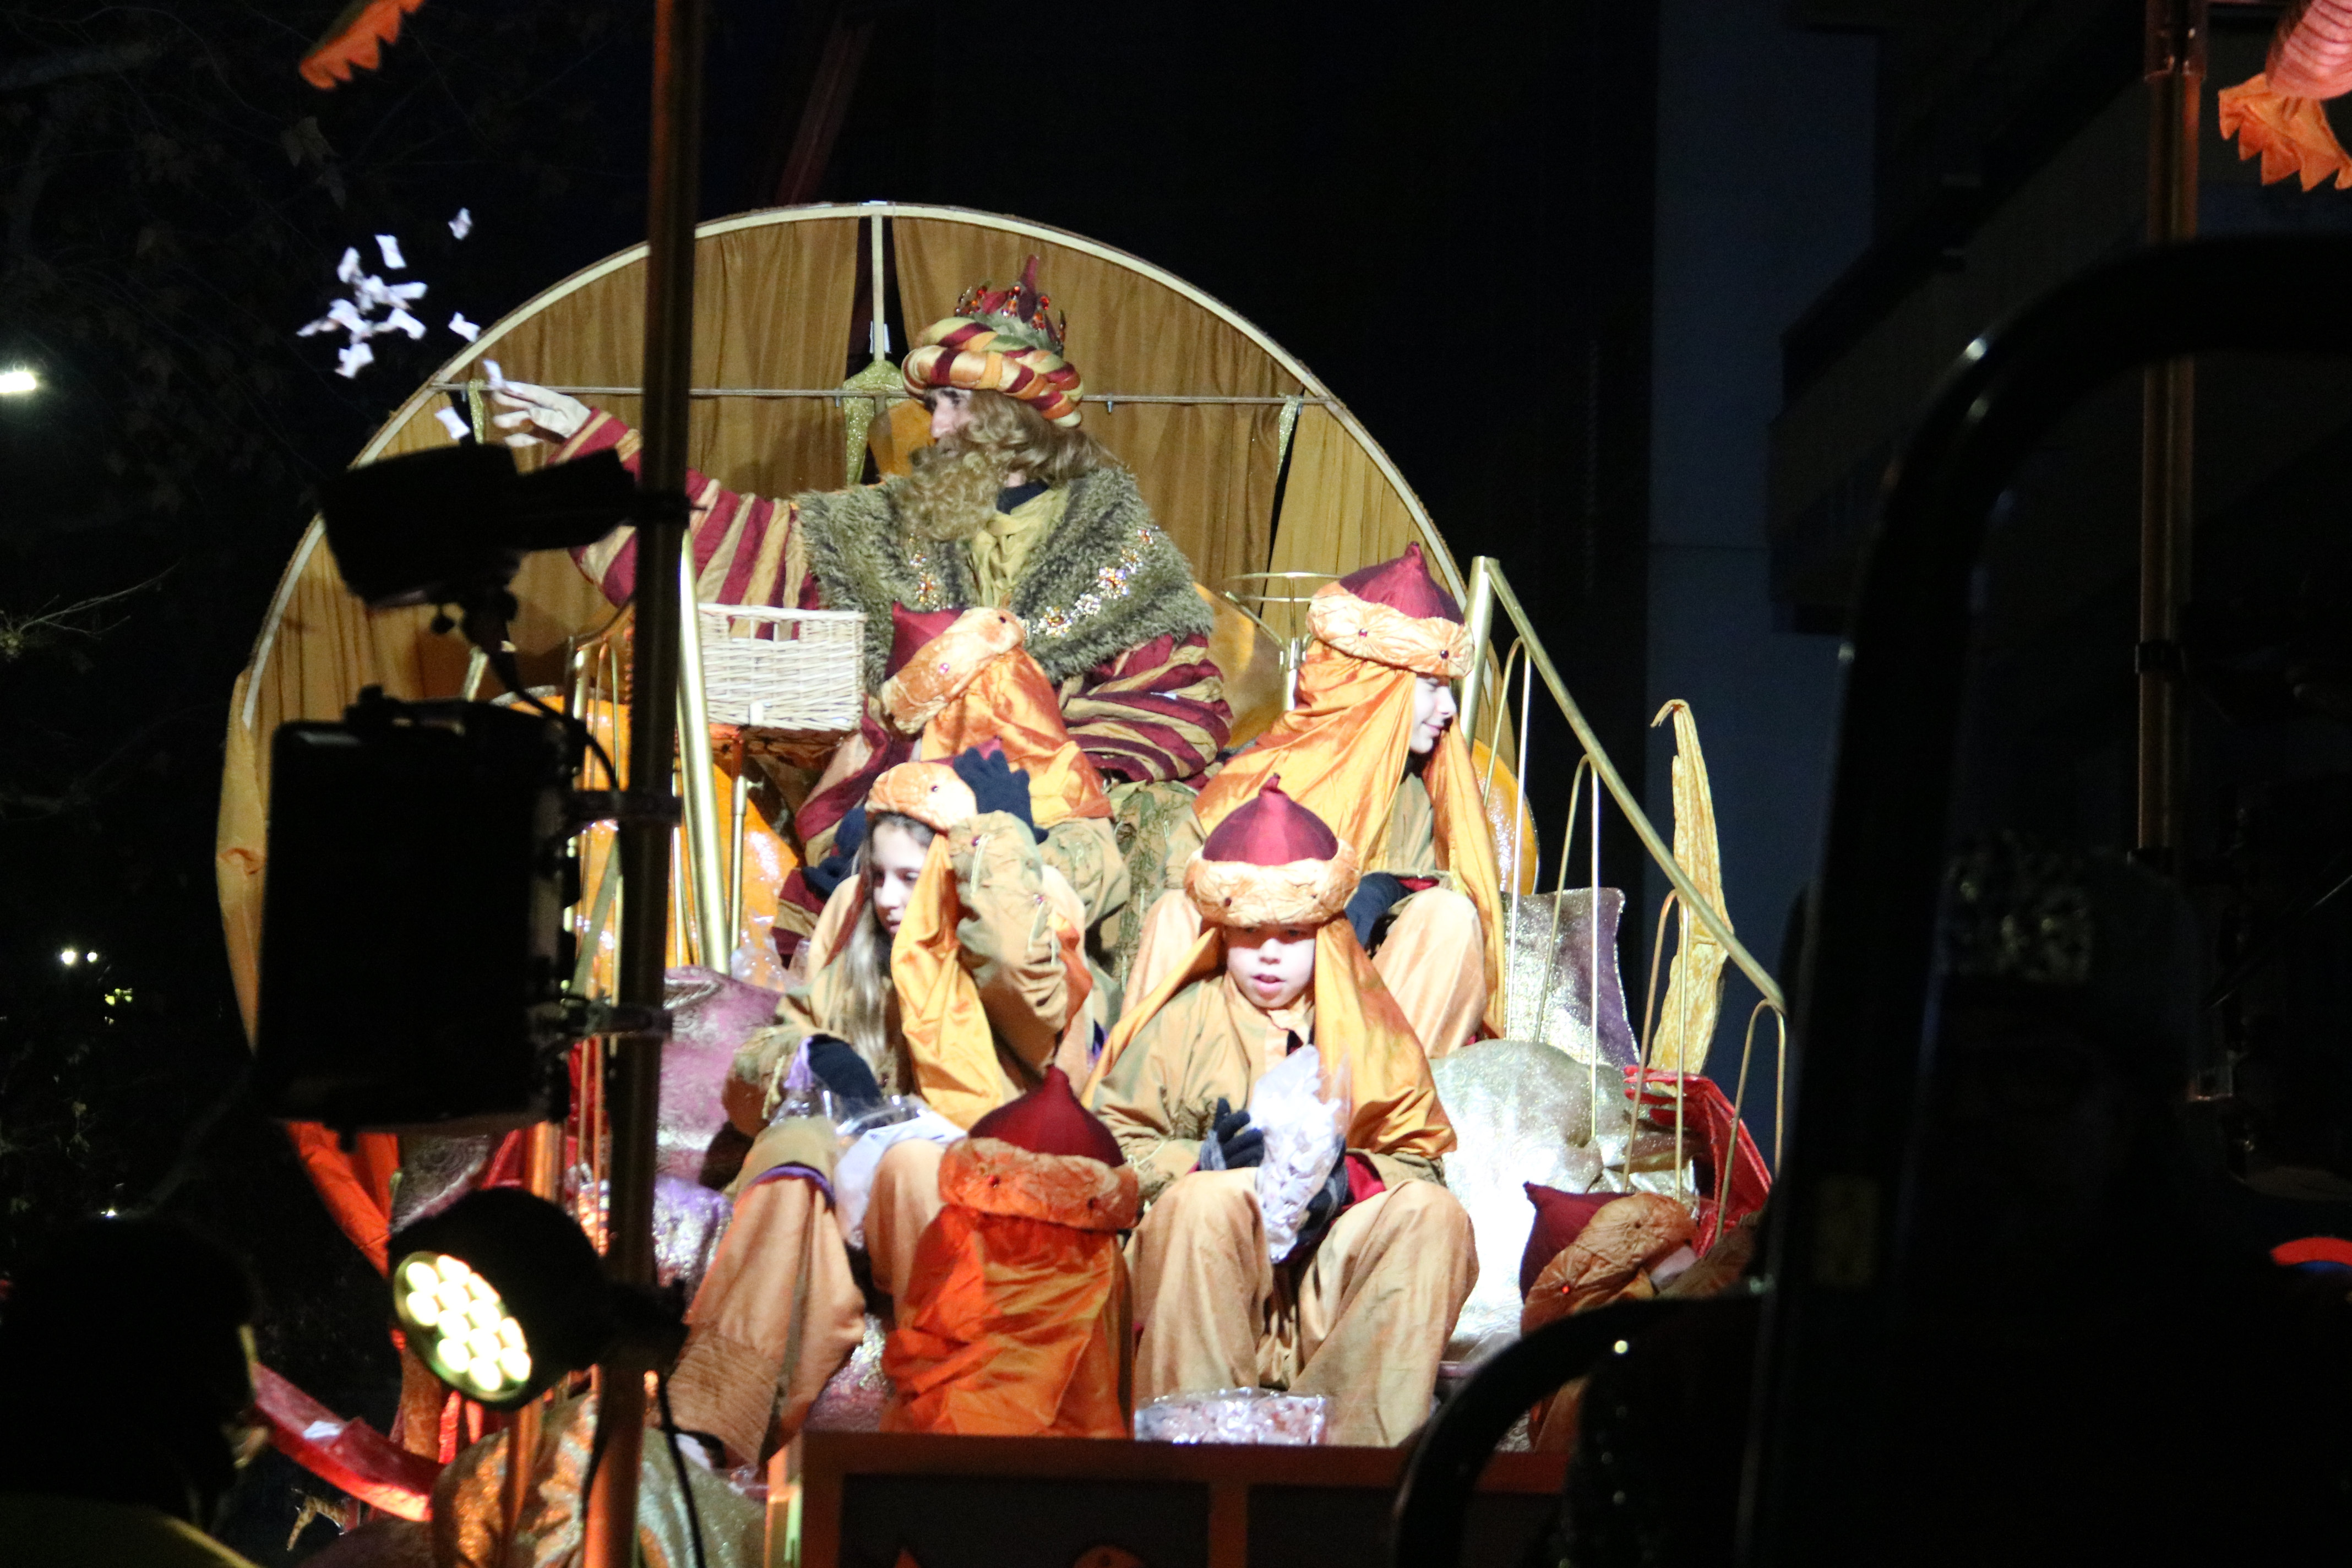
(1048, 1119)
(909, 630)
(1404, 584)
(1272, 862)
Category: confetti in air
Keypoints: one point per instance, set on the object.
(451, 422)
(375, 307)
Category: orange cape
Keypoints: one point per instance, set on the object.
(1358, 1026)
(1341, 751)
(1015, 1320)
(975, 682)
(958, 1069)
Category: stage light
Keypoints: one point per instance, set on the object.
(69, 957)
(501, 1294)
(19, 381)
(447, 822)
(450, 525)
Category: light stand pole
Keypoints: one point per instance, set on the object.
(2176, 80)
(670, 200)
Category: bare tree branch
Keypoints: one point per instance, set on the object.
(60, 64)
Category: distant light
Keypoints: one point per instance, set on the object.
(90, 958)
(69, 957)
(17, 381)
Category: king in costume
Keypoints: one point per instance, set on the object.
(1014, 508)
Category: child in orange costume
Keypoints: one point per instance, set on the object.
(1369, 746)
(1360, 1309)
(1016, 1323)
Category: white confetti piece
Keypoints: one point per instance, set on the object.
(464, 328)
(450, 421)
(347, 270)
(320, 325)
(405, 291)
(463, 224)
(497, 376)
(322, 1431)
(393, 260)
(348, 362)
(400, 320)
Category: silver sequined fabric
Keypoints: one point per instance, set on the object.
(852, 1398)
(1522, 1112)
(468, 1505)
(1548, 974)
(710, 1017)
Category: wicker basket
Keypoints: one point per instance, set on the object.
(808, 676)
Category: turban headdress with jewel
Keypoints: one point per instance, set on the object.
(1274, 862)
(1000, 339)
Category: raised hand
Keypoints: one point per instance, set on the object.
(538, 413)
(996, 784)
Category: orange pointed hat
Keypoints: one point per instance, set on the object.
(1396, 614)
(1000, 339)
(1272, 862)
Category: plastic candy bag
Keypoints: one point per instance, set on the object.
(1304, 1137)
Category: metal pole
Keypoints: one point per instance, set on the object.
(714, 946)
(670, 200)
(2176, 76)
(1481, 633)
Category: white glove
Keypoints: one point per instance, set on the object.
(538, 414)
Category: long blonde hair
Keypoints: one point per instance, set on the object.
(868, 1014)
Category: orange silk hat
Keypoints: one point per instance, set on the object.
(1272, 862)
(1395, 614)
(961, 679)
(1000, 339)
(931, 793)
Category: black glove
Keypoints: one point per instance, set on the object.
(997, 785)
(1324, 1208)
(1232, 1144)
(835, 1064)
(1375, 894)
(825, 875)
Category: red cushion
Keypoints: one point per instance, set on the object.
(1048, 1119)
(910, 629)
(1404, 583)
(1271, 830)
(1561, 1218)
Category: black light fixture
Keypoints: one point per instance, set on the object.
(415, 957)
(501, 1294)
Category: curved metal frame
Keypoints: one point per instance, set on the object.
(1863, 1009)
(452, 371)
(1433, 1501)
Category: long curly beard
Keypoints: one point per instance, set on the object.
(951, 493)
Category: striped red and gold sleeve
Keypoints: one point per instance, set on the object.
(1157, 711)
(747, 550)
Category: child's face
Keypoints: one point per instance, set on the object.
(1273, 965)
(1432, 709)
(896, 860)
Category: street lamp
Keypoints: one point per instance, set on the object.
(19, 381)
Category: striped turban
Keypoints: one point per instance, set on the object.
(1000, 339)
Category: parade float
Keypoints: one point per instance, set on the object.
(1271, 488)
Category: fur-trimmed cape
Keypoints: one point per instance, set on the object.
(1105, 580)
